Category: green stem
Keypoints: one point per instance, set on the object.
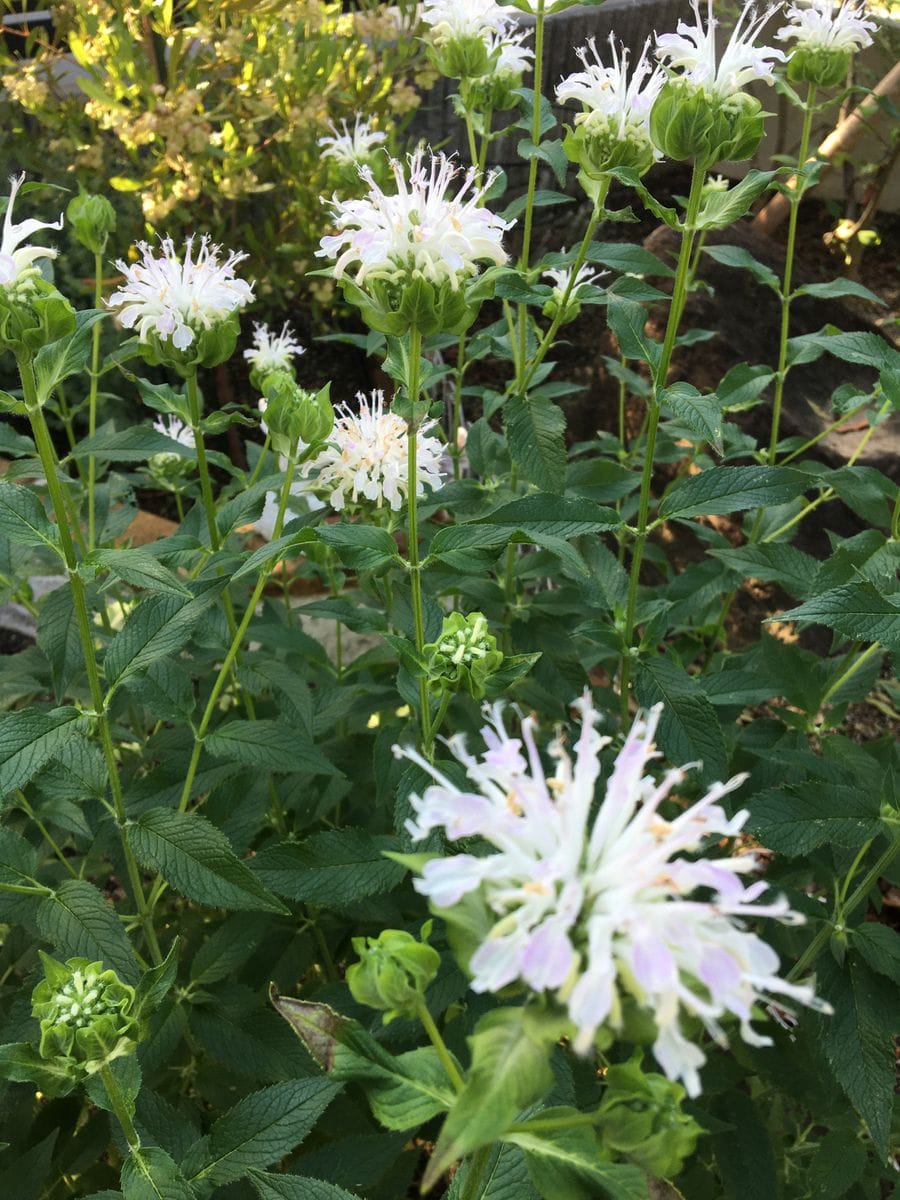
(532, 168)
(22, 801)
(794, 198)
(470, 135)
(94, 376)
(660, 374)
(120, 1107)
(860, 661)
(434, 727)
(440, 1045)
(259, 462)
(547, 1124)
(206, 494)
(457, 414)
(82, 617)
(415, 569)
(813, 441)
(234, 649)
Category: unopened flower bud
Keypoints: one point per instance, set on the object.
(87, 1014)
(294, 415)
(464, 656)
(93, 219)
(820, 67)
(642, 1119)
(687, 122)
(393, 972)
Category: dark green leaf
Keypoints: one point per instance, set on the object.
(69, 356)
(689, 729)
(29, 738)
(296, 1187)
(331, 869)
(22, 517)
(79, 923)
(362, 547)
(731, 489)
(879, 945)
(737, 256)
(802, 817)
(270, 745)
(857, 610)
(158, 626)
(535, 429)
(59, 638)
(151, 1174)
(140, 569)
(744, 1155)
(702, 414)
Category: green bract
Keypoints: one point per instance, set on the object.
(686, 122)
(464, 657)
(87, 1014)
(294, 415)
(209, 348)
(93, 218)
(819, 67)
(417, 303)
(393, 972)
(597, 151)
(642, 1119)
(461, 57)
(33, 314)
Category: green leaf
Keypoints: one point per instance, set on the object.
(362, 547)
(268, 744)
(28, 1177)
(801, 817)
(196, 859)
(689, 729)
(79, 923)
(702, 414)
(297, 1187)
(69, 356)
(159, 626)
(837, 1164)
(879, 945)
(535, 431)
(738, 257)
(228, 947)
(29, 738)
(261, 1129)
(165, 689)
(627, 319)
(775, 561)
(403, 1091)
(135, 444)
(509, 1070)
(858, 1040)
(731, 489)
(627, 257)
(742, 386)
(566, 1165)
(542, 199)
(18, 858)
(857, 610)
(505, 1177)
(151, 1174)
(59, 638)
(22, 517)
(721, 209)
(866, 349)
(331, 869)
(553, 516)
(835, 289)
(139, 569)
(21, 1063)
(744, 1154)
(156, 983)
(266, 557)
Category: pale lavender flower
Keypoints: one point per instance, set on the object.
(273, 351)
(826, 25)
(614, 99)
(418, 229)
(593, 909)
(177, 299)
(17, 261)
(367, 457)
(692, 51)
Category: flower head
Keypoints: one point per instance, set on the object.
(613, 99)
(273, 351)
(352, 146)
(508, 52)
(87, 1014)
(418, 230)
(178, 299)
(367, 457)
(692, 51)
(828, 25)
(17, 261)
(171, 427)
(455, 20)
(562, 279)
(600, 911)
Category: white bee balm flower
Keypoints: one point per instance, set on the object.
(825, 25)
(354, 145)
(513, 57)
(418, 230)
(367, 457)
(171, 427)
(17, 261)
(452, 20)
(178, 299)
(692, 51)
(561, 278)
(614, 99)
(273, 351)
(596, 909)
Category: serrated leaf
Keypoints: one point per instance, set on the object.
(857, 610)
(158, 626)
(879, 945)
(505, 1177)
(297, 1187)
(151, 1174)
(362, 547)
(59, 638)
(69, 356)
(228, 947)
(627, 319)
(29, 739)
(775, 561)
(268, 744)
(742, 385)
(627, 257)
(331, 869)
(744, 1154)
(800, 818)
(702, 414)
(566, 1165)
(738, 257)
(731, 489)
(535, 431)
(196, 859)
(18, 858)
(262, 1128)
(835, 289)
(23, 518)
(79, 923)
(136, 444)
(721, 209)
(689, 730)
(141, 570)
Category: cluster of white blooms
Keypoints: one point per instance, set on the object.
(822, 25)
(508, 52)
(352, 146)
(595, 910)
(175, 429)
(17, 261)
(177, 299)
(562, 280)
(367, 457)
(692, 51)
(272, 351)
(453, 20)
(612, 101)
(417, 229)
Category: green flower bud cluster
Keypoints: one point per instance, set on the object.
(688, 122)
(642, 1120)
(88, 1016)
(464, 657)
(597, 147)
(93, 218)
(818, 66)
(466, 57)
(33, 314)
(394, 306)
(209, 348)
(294, 415)
(393, 972)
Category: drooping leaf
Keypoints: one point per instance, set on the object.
(23, 518)
(159, 626)
(858, 610)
